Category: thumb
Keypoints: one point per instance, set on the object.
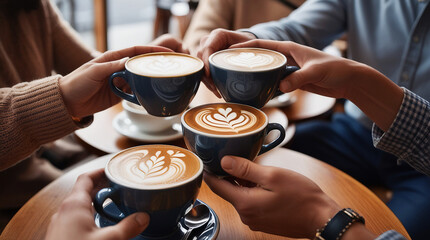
(243, 168)
(129, 227)
(295, 81)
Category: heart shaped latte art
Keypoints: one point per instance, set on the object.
(248, 59)
(225, 120)
(162, 64)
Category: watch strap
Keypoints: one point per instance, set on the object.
(337, 226)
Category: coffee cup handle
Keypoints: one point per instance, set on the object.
(129, 97)
(288, 71)
(101, 197)
(277, 141)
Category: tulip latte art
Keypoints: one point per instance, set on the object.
(153, 165)
(225, 119)
(248, 59)
(164, 65)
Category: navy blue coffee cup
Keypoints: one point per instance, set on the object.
(163, 83)
(249, 76)
(165, 204)
(212, 147)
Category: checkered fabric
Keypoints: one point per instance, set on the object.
(408, 136)
(390, 235)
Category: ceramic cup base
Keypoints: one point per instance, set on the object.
(210, 232)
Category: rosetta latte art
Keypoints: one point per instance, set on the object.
(248, 59)
(159, 168)
(225, 120)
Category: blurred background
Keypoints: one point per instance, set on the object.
(128, 22)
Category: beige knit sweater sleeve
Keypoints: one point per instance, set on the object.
(232, 15)
(210, 15)
(31, 114)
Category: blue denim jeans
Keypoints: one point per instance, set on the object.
(347, 145)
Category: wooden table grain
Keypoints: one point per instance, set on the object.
(32, 219)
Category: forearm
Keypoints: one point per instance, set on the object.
(209, 15)
(409, 134)
(377, 96)
(31, 114)
(304, 24)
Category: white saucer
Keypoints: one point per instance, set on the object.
(281, 100)
(124, 126)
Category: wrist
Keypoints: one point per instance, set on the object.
(326, 210)
(337, 226)
(376, 95)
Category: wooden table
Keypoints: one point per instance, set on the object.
(308, 106)
(32, 219)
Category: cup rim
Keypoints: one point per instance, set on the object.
(165, 53)
(150, 187)
(266, 122)
(211, 62)
(127, 107)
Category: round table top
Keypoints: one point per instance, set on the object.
(307, 106)
(32, 219)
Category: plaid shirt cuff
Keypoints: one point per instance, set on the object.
(391, 235)
(408, 136)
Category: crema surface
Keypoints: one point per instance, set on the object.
(247, 59)
(225, 119)
(164, 65)
(154, 166)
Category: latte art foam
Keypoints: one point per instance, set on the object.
(164, 65)
(248, 59)
(225, 119)
(147, 166)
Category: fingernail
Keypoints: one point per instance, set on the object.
(227, 163)
(124, 60)
(142, 218)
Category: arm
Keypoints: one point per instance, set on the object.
(337, 77)
(35, 113)
(409, 134)
(316, 23)
(284, 203)
(75, 219)
(402, 119)
(208, 16)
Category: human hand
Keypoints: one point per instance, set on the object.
(169, 41)
(75, 219)
(283, 203)
(218, 39)
(86, 90)
(319, 72)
